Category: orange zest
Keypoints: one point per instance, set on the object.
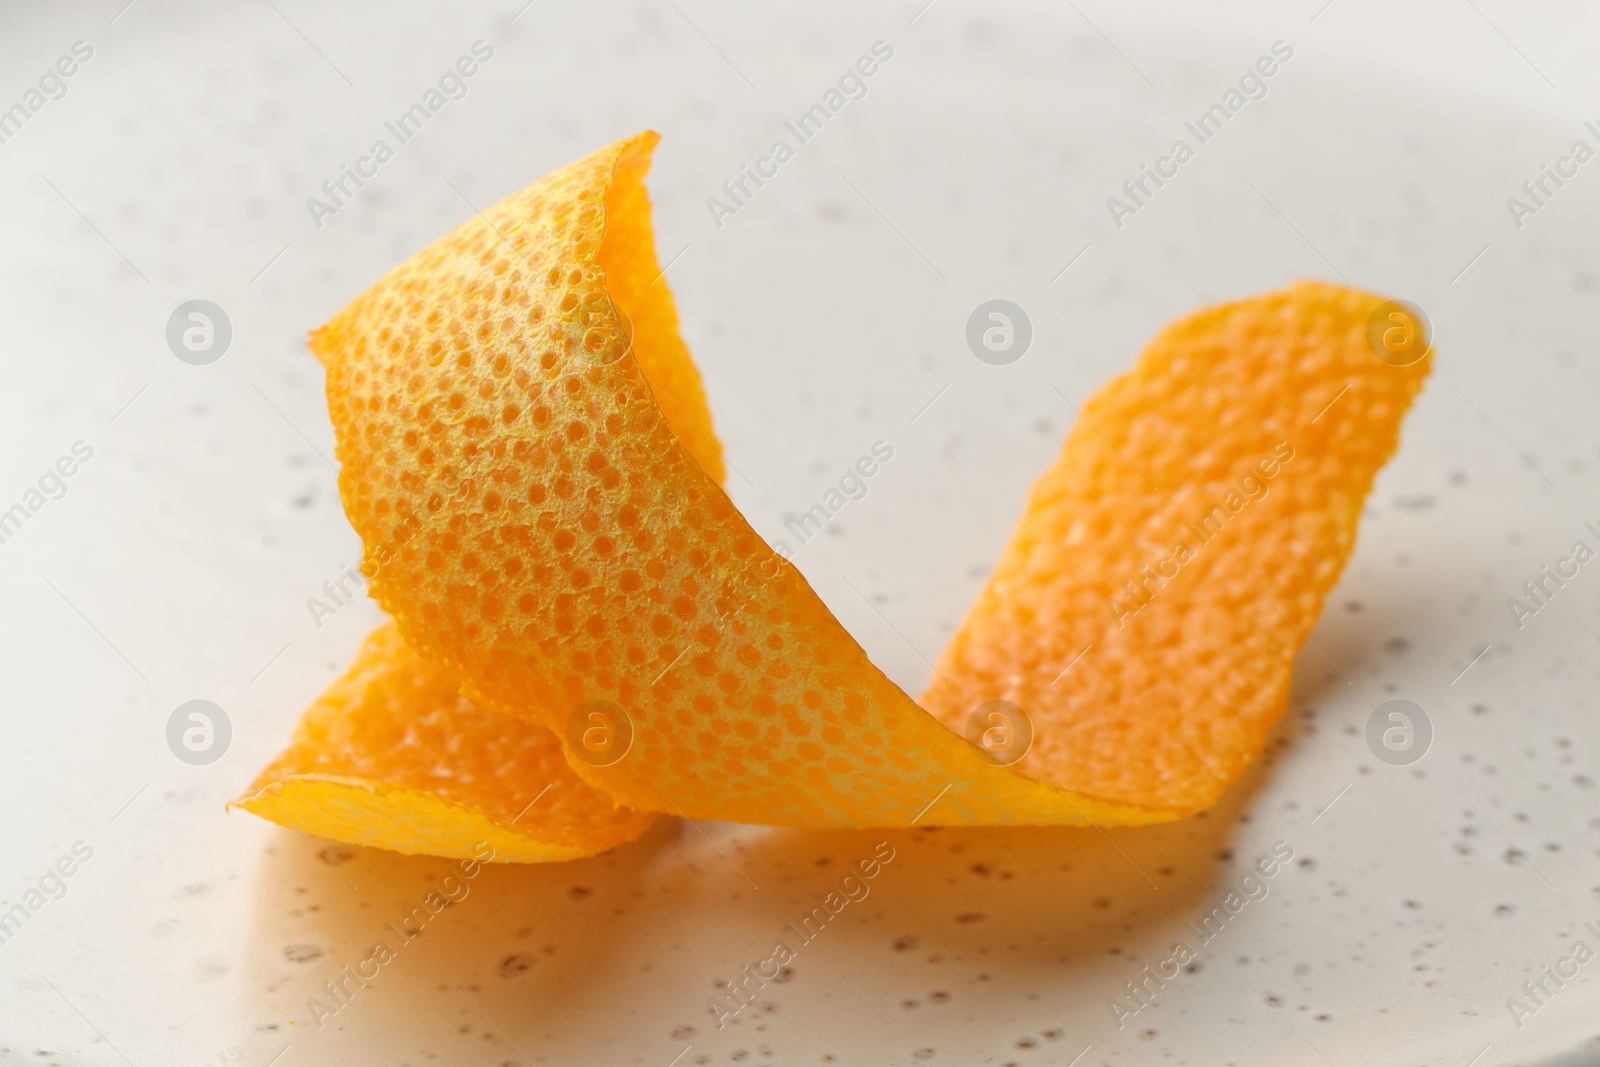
(527, 454)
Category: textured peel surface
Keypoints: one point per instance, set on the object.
(527, 454)
(391, 755)
(1200, 510)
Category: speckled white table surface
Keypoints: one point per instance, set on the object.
(828, 313)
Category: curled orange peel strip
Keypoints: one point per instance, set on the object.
(527, 454)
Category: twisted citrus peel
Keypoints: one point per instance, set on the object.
(527, 454)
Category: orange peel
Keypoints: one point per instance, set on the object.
(392, 755)
(527, 454)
